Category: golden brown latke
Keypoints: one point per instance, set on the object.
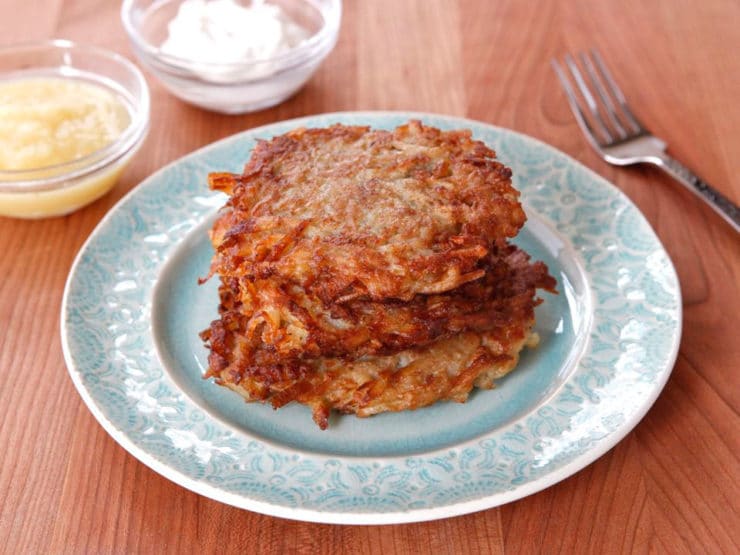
(368, 271)
(396, 379)
(348, 212)
(285, 322)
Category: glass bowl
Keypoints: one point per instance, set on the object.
(62, 188)
(233, 87)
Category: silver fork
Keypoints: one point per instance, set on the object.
(618, 136)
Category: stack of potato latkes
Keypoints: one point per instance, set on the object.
(369, 271)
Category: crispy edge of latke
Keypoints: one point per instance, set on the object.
(282, 329)
(392, 390)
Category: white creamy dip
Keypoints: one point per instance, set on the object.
(212, 34)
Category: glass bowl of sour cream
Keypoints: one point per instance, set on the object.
(71, 118)
(232, 56)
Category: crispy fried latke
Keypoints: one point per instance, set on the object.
(447, 367)
(368, 271)
(349, 212)
(285, 322)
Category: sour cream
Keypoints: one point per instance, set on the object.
(218, 35)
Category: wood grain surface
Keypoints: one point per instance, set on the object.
(672, 485)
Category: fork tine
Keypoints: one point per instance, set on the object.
(617, 93)
(570, 94)
(586, 93)
(605, 98)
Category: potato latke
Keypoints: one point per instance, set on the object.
(368, 271)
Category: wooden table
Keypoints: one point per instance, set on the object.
(672, 485)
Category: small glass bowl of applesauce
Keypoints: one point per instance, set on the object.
(71, 118)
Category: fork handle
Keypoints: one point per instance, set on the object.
(723, 206)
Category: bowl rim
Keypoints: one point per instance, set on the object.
(326, 34)
(65, 174)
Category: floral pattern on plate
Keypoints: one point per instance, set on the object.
(614, 332)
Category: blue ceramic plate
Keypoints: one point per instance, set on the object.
(132, 311)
